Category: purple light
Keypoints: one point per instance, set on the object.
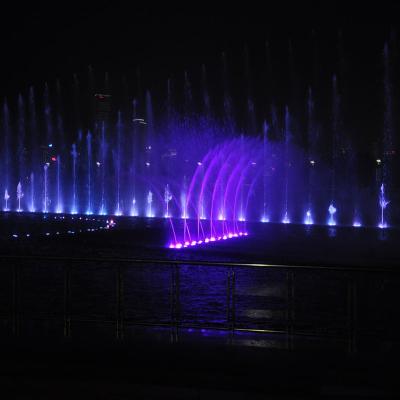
(177, 245)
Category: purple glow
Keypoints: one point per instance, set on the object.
(194, 243)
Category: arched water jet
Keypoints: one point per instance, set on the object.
(219, 185)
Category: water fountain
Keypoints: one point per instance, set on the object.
(332, 211)
(196, 159)
(32, 193)
(150, 213)
(6, 198)
(46, 199)
(74, 154)
(383, 203)
(20, 195)
(167, 199)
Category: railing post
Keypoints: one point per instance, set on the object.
(233, 300)
(67, 294)
(352, 313)
(230, 300)
(120, 300)
(290, 308)
(175, 287)
(15, 299)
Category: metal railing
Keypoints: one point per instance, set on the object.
(352, 276)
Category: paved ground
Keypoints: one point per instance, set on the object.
(149, 370)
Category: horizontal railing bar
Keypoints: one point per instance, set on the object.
(49, 317)
(194, 326)
(198, 263)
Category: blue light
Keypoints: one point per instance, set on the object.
(308, 220)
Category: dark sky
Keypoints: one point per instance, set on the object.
(42, 40)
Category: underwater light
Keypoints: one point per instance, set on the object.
(177, 245)
(308, 219)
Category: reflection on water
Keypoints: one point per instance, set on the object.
(189, 300)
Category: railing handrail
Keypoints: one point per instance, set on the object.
(206, 263)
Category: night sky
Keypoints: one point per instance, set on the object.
(44, 41)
